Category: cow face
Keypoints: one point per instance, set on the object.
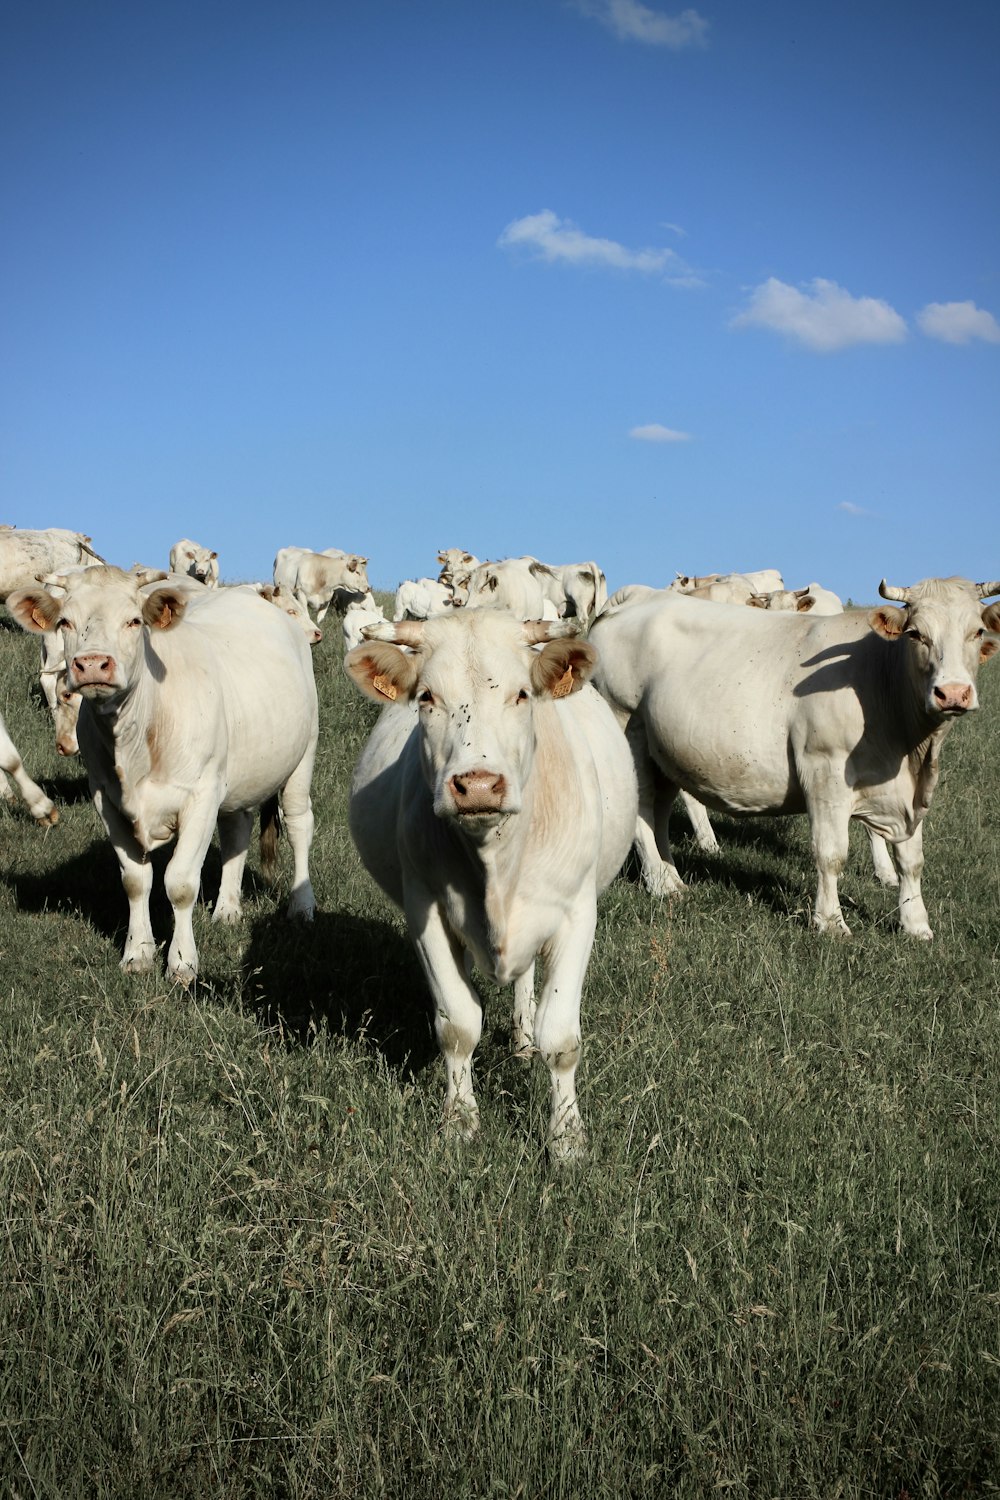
(476, 682)
(101, 615)
(946, 634)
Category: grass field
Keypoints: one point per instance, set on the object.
(240, 1259)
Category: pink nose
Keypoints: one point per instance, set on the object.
(478, 792)
(93, 667)
(953, 697)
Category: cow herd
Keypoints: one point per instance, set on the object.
(532, 731)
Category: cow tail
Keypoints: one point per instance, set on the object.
(270, 828)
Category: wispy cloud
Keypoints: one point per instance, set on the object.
(558, 241)
(655, 432)
(633, 22)
(958, 322)
(824, 318)
(850, 509)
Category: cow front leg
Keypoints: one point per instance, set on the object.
(42, 808)
(182, 881)
(557, 1024)
(137, 882)
(656, 860)
(912, 911)
(458, 1013)
(235, 830)
(297, 813)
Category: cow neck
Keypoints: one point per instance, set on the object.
(130, 727)
(497, 861)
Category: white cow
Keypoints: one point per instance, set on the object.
(454, 562)
(813, 597)
(41, 808)
(284, 600)
(358, 614)
(196, 561)
(513, 585)
(493, 802)
(319, 579)
(197, 710)
(26, 554)
(761, 581)
(841, 716)
(422, 599)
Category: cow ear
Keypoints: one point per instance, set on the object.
(806, 602)
(382, 672)
(34, 609)
(163, 608)
(888, 623)
(562, 667)
(991, 620)
(267, 591)
(757, 601)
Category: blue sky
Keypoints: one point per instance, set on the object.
(673, 289)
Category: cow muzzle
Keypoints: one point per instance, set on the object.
(478, 793)
(953, 697)
(92, 669)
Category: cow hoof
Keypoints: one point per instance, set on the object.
(47, 819)
(569, 1147)
(140, 962)
(666, 885)
(229, 916)
(923, 933)
(834, 927)
(301, 906)
(460, 1120)
(184, 974)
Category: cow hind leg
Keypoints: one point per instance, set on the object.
(885, 870)
(235, 830)
(912, 911)
(41, 808)
(557, 1026)
(524, 1014)
(701, 827)
(656, 860)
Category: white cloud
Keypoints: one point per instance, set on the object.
(633, 22)
(854, 510)
(824, 318)
(655, 432)
(958, 322)
(559, 241)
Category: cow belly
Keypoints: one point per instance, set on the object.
(728, 761)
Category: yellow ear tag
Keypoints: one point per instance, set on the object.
(385, 686)
(39, 619)
(164, 618)
(564, 686)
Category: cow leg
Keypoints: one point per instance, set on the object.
(235, 830)
(704, 833)
(182, 880)
(912, 911)
(885, 870)
(458, 1013)
(524, 1013)
(297, 815)
(41, 808)
(557, 1024)
(656, 860)
(137, 882)
(830, 840)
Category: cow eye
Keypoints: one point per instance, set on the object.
(522, 696)
(131, 624)
(426, 698)
(915, 635)
(63, 624)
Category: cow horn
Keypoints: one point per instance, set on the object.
(986, 590)
(801, 593)
(537, 632)
(889, 591)
(398, 632)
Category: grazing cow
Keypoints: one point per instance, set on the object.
(493, 802)
(26, 554)
(319, 579)
(197, 710)
(41, 808)
(358, 614)
(455, 562)
(422, 599)
(813, 597)
(283, 600)
(196, 562)
(585, 588)
(841, 716)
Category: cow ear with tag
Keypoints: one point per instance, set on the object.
(991, 621)
(163, 608)
(34, 609)
(382, 671)
(562, 667)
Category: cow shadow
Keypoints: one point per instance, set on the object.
(87, 885)
(343, 975)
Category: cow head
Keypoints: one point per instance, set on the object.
(477, 684)
(286, 601)
(946, 634)
(104, 619)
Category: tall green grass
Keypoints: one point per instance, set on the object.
(239, 1258)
